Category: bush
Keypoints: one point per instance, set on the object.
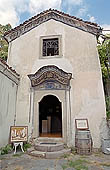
(26, 146)
(6, 149)
(107, 99)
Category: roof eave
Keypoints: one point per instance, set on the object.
(92, 28)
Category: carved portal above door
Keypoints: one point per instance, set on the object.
(50, 77)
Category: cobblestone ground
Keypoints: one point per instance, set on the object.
(96, 161)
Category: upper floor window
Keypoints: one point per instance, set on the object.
(51, 46)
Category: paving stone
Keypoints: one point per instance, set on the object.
(106, 168)
(54, 155)
(58, 167)
(38, 168)
(38, 154)
(44, 164)
(27, 162)
(30, 149)
(60, 163)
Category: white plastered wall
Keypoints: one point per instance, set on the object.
(79, 57)
(8, 90)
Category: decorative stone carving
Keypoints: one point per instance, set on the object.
(52, 14)
(50, 77)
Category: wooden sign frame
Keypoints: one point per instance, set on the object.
(18, 134)
(81, 124)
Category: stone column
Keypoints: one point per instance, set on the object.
(31, 112)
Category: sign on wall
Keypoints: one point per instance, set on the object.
(18, 133)
(81, 124)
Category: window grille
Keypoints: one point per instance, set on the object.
(50, 47)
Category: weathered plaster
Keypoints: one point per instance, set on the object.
(79, 57)
(8, 90)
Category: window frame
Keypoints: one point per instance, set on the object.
(50, 37)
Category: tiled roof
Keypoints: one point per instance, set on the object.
(8, 67)
(56, 15)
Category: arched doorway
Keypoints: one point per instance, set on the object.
(50, 81)
(50, 117)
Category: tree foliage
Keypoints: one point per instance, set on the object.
(3, 42)
(104, 54)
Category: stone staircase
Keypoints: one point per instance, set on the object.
(48, 148)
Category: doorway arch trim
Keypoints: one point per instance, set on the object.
(50, 77)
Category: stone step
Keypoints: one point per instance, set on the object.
(37, 153)
(50, 155)
(47, 139)
(54, 155)
(49, 146)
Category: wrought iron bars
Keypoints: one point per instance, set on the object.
(50, 47)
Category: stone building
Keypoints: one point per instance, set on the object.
(60, 75)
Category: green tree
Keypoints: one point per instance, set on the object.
(104, 55)
(3, 42)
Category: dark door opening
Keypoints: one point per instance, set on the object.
(50, 117)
